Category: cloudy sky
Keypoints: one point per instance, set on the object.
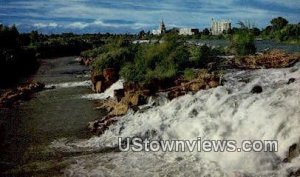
(120, 16)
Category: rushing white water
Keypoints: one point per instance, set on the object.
(109, 93)
(77, 59)
(70, 84)
(229, 112)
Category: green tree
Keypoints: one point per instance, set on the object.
(279, 23)
(141, 34)
(255, 31)
(205, 32)
(34, 37)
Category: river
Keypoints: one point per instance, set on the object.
(50, 115)
(226, 113)
(47, 135)
(260, 45)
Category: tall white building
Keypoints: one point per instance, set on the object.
(218, 27)
(161, 30)
(188, 31)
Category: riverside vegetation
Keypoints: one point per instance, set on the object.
(20, 55)
(19, 51)
(170, 65)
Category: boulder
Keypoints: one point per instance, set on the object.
(110, 75)
(21, 93)
(98, 87)
(134, 98)
(51, 88)
(115, 108)
(81, 61)
(175, 93)
(257, 89)
(35, 87)
(291, 80)
(294, 151)
(213, 84)
(119, 109)
(98, 127)
(87, 62)
(294, 174)
(195, 86)
(95, 77)
(107, 78)
(119, 94)
(130, 86)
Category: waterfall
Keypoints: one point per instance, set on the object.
(228, 112)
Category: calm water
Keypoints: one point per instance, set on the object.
(261, 45)
(50, 115)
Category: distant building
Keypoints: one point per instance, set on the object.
(188, 31)
(161, 30)
(141, 42)
(218, 27)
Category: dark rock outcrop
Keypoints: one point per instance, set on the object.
(119, 94)
(257, 89)
(294, 151)
(134, 95)
(102, 81)
(85, 61)
(99, 87)
(205, 81)
(21, 93)
(295, 174)
(110, 75)
(98, 127)
(270, 59)
(291, 80)
(175, 93)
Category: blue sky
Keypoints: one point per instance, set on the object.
(121, 16)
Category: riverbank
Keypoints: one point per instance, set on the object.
(51, 114)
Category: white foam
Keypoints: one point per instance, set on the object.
(108, 93)
(77, 59)
(228, 112)
(86, 83)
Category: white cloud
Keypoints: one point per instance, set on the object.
(44, 25)
(77, 25)
(142, 14)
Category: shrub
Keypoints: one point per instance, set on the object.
(200, 56)
(115, 58)
(92, 53)
(179, 58)
(189, 74)
(159, 62)
(131, 73)
(165, 70)
(242, 43)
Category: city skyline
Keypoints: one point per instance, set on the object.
(131, 16)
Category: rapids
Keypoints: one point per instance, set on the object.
(228, 112)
